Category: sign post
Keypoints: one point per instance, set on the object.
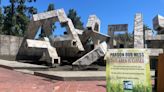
(128, 70)
(160, 74)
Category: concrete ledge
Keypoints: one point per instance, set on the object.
(155, 52)
(25, 71)
(18, 65)
(73, 75)
(76, 75)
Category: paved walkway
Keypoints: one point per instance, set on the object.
(12, 81)
(80, 86)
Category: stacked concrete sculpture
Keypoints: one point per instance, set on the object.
(46, 19)
(138, 31)
(70, 45)
(92, 56)
(93, 30)
(158, 24)
(50, 52)
(93, 23)
(116, 28)
(144, 38)
(156, 41)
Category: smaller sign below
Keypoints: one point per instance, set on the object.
(128, 70)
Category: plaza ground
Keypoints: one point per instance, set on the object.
(12, 81)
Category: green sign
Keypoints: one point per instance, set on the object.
(128, 70)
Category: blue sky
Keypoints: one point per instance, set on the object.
(109, 11)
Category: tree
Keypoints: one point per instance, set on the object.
(1, 20)
(75, 19)
(126, 39)
(51, 7)
(17, 16)
(145, 27)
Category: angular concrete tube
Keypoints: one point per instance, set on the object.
(47, 19)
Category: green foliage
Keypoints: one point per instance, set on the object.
(51, 7)
(119, 88)
(75, 19)
(141, 88)
(145, 27)
(17, 16)
(1, 20)
(116, 88)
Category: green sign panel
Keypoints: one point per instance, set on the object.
(128, 70)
